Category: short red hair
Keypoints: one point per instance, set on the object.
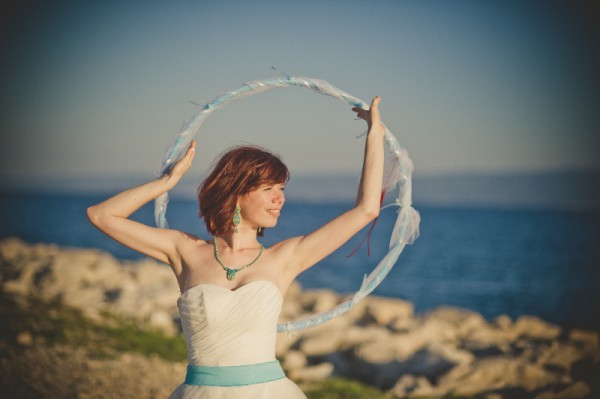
(238, 172)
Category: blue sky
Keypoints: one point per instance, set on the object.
(99, 89)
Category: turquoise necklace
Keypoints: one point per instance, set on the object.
(232, 272)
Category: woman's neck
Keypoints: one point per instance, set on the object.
(245, 238)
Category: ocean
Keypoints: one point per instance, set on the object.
(487, 259)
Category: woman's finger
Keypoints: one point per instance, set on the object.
(375, 116)
(375, 102)
(191, 150)
(181, 166)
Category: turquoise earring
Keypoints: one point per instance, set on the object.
(236, 218)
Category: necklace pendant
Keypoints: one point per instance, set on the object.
(231, 274)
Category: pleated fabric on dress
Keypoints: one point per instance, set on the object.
(232, 328)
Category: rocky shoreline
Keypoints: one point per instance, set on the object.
(381, 341)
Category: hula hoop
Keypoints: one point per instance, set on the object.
(406, 228)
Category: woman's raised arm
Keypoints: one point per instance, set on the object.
(303, 252)
(112, 216)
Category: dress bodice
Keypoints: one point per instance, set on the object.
(229, 328)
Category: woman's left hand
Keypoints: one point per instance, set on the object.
(372, 116)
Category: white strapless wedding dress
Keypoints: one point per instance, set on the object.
(232, 328)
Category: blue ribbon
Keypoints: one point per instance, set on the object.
(233, 376)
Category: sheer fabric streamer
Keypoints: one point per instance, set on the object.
(397, 181)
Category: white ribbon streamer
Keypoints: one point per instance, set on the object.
(406, 229)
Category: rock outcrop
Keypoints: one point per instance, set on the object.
(447, 351)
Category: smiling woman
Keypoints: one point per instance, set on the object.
(398, 176)
(229, 319)
(253, 175)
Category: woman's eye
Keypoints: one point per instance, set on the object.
(272, 187)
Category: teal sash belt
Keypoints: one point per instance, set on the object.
(232, 376)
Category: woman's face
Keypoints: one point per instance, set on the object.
(261, 207)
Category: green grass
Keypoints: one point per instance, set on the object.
(55, 323)
(340, 388)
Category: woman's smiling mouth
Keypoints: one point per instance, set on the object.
(274, 212)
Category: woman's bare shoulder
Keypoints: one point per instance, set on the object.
(190, 242)
(284, 247)
(191, 250)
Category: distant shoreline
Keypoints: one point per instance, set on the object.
(557, 190)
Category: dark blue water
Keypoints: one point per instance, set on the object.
(494, 261)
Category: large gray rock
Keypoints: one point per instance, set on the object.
(486, 340)
(451, 324)
(496, 373)
(357, 335)
(92, 281)
(397, 347)
(382, 363)
(587, 342)
(387, 311)
(413, 386)
(532, 327)
(292, 308)
(294, 360)
(451, 353)
(325, 338)
(319, 372)
(317, 301)
(560, 355)
(284, 342)
(579, 390)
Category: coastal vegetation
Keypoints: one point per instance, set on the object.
(30, 320)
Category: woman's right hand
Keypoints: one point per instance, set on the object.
(183, 165)
(112, 216)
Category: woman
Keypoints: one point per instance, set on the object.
(231, 287)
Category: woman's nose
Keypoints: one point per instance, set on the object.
(279, 197)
